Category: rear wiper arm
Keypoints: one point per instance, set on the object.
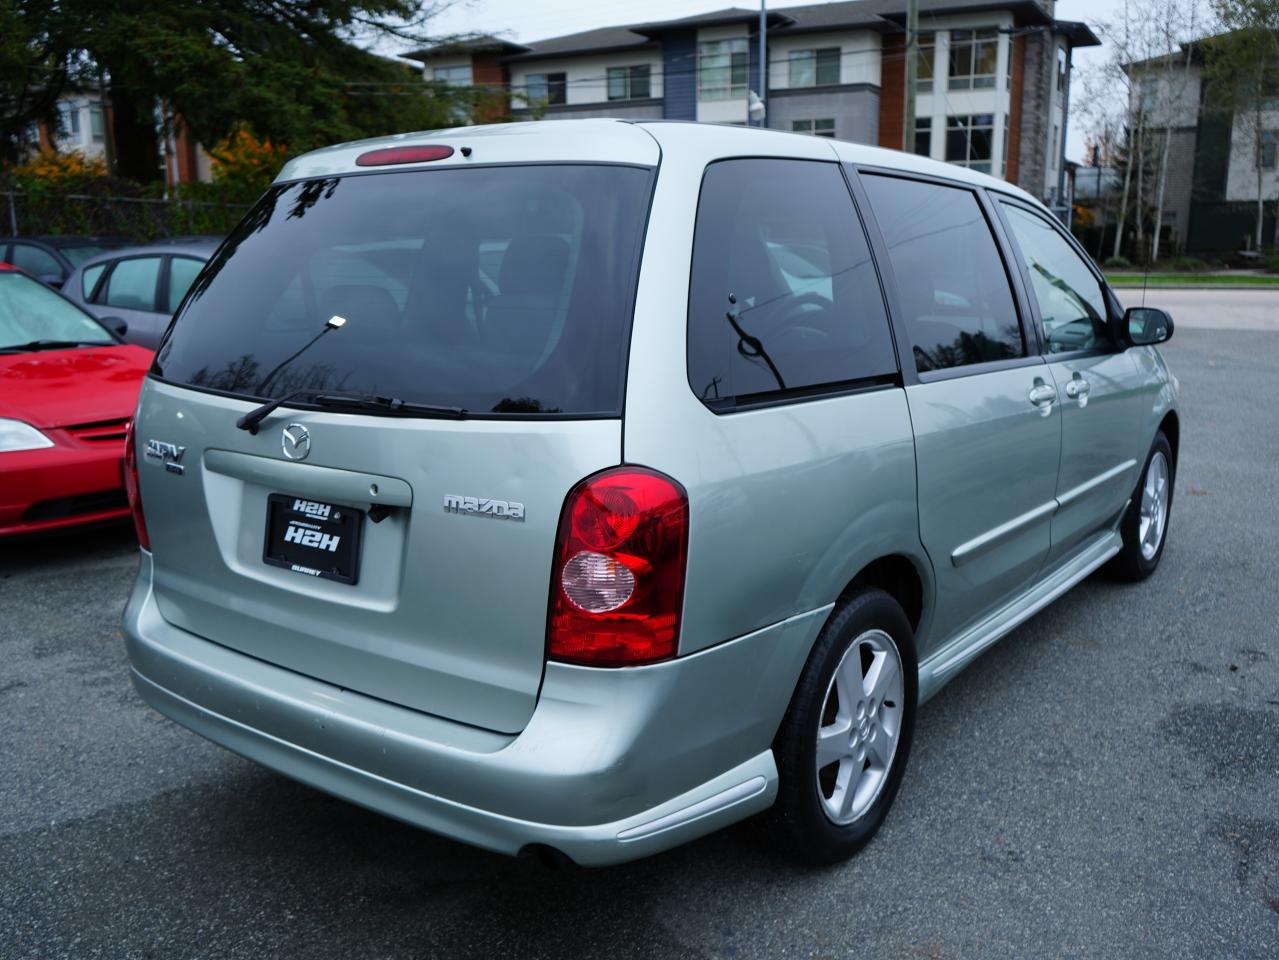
(349, 401)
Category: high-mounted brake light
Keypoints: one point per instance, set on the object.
(131, 487)
(392, 155)
(619, 570)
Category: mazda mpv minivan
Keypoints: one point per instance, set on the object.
(581, 487)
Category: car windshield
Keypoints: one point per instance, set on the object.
(503, 290)
(30, 312)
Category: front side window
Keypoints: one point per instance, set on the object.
(784, 296)
(974, 56)
(955, 297)
(721, 69)
(459, 76)
(182, 273)
(629, 83)
(818, 128)
(504, 290)
(1072, 307)
(132, 283)
(814, 68)
(548, 88)
(970, 141)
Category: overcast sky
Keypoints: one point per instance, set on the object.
(536, 19)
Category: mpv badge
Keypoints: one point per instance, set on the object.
(295, 442)
(170, 454)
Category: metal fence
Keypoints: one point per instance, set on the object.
(138, 219)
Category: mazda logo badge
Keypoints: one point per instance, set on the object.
(295, 442)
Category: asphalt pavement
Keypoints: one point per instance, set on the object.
(1103, 783)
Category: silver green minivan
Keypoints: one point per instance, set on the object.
(581, 487)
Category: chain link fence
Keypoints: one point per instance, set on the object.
(137, 219)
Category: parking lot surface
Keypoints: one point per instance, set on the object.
(1103, 783)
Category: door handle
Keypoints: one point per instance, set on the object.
(1077, 389)
(1042, 395)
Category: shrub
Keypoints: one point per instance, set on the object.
(1122, 263)
(1185, 264)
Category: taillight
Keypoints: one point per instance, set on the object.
(131, 488)
(619, 570)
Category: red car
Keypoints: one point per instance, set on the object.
(68, 386)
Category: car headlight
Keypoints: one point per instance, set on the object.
(16, 435)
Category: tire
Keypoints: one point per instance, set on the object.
(812, 820)
(1143, 542)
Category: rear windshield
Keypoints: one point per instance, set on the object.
(501, 290)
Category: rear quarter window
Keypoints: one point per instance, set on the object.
(784, 297)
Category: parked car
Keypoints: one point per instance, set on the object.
(51, 259)
(520, 488)
(68, 386)
(144, 285)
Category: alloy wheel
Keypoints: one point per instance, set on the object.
(860, 727)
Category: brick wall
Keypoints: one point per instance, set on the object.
(487, 71)
(892, 92)
(1013, 148)
(1035, 109)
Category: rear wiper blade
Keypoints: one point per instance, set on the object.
(33, 345)
(349, 401)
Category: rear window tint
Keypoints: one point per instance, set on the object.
(954, 291)
(502, 290)
(784, 296)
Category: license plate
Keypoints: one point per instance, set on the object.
(313, 538)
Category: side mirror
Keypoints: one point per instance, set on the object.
(54, 280)
(117, 325)
(1146, 326)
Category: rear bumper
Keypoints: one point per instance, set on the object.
(614, 764)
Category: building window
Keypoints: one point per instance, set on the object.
(818, 128)
(814, 68)
(69, 120)
(974, 57)
(629, 83)
(453, 76)
(1004, 166)
(548, 88)
(969, 141)
(721, 69)
(97, 128)
(924, 62)
(924, 136)
(1268, 149)
(1062, 73)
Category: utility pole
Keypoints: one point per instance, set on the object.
(763, 56)
(912, 57)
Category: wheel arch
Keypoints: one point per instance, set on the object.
(1170, 426)
(900, 577)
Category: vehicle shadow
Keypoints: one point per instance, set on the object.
(81, 545)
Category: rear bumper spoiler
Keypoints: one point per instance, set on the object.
(614, 764)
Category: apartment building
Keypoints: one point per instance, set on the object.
(992, 86)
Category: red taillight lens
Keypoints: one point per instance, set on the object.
(619, 570)
(393, 155)
(131, 487)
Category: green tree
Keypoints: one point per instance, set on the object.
(1242, 67)
(295, 72)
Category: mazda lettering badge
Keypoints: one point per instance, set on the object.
(295, 442)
